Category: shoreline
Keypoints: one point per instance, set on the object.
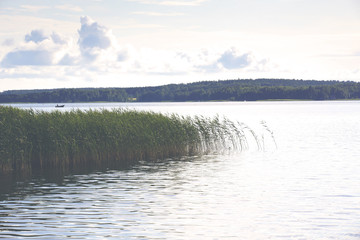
(264, 100)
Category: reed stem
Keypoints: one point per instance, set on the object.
(38, 140)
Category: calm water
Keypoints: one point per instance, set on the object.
(307, 188)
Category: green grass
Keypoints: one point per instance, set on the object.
(63, 141)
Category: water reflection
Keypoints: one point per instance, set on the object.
(115, 200)
(212, 197)
(307, 189)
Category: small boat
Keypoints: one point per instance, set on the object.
(59, 105)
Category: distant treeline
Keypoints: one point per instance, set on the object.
(226, 90)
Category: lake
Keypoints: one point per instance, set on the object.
(304, 186)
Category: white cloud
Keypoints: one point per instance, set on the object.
(58, 39)
(122, 55)
(69, 60)
(228, 60)
(231, 59)
(15, 25)
(28, 57)
(35, 36)
(96, 50)
(39, 49)
(93, 35)
(8, 42)
(92, 55)
(94, 39)
(96, 45)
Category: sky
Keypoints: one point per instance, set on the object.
(129, 43)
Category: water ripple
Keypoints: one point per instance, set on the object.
(308, 189)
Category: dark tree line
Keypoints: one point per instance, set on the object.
(228, 90)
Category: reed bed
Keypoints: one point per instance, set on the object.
(64, 141)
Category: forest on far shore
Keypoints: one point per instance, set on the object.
(222, 90)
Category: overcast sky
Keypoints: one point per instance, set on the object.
(122, 43)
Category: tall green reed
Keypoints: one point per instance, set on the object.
(64, 141)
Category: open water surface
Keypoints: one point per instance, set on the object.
(306, 188)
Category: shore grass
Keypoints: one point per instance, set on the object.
(64, 141)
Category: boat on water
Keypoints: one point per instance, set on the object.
(57, 105)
